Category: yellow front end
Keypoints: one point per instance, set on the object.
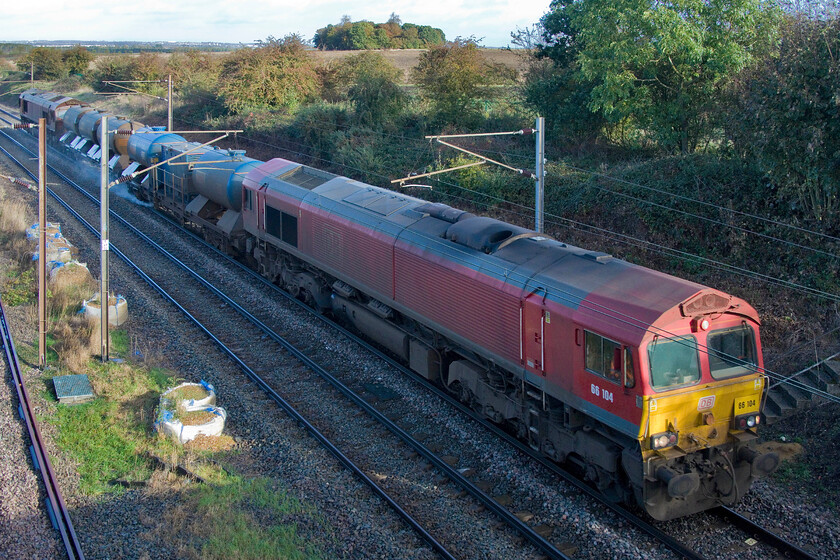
(694, 446)
(700, 416)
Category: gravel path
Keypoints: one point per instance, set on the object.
(25, 529)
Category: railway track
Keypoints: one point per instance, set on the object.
(655, 532)
(56, 508)
(170, 285)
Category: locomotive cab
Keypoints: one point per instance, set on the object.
(702, 384)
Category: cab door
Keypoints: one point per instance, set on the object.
(533, 320)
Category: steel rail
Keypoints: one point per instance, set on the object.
(489, 502)
(787, 548)
(640, 523)
(288, 408)
(56, 508)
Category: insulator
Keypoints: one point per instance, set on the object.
(125, 132)
(22, 183)
(526, 173)
(24, 125)
(527, 131)
(124, 179)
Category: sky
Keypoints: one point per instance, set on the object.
(245, 21)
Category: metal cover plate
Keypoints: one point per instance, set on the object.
(72, 388)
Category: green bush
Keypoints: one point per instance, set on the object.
(375, 93)
(46, 62)
(786, 115)
(278, 73)
(456, 80)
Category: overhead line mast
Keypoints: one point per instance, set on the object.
(538, 176)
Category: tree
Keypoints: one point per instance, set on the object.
(659, 64)
(277, 73)
(46, 63)
(455, 79)
(375, 93)
(362, 35)
(785, 114)
(77, 59)
(553, 86)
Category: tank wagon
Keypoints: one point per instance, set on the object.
(651, 386)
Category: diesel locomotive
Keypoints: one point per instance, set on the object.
(649, 385)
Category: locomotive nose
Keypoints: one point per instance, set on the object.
(762, 464)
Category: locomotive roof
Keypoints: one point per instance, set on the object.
(48, 99)
(619, 299)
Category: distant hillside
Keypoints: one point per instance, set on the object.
(21, 47)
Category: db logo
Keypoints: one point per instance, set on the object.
(706, 403)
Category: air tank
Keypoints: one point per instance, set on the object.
(218, 175)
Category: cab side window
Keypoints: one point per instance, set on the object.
(629, 373)
(603, 357)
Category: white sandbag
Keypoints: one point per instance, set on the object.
(53, 231)
(74, 269)
(167, 400)
(169, 424)
(57, 249)
(117, 309)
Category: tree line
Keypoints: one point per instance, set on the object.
(364, 35)
(744, 79)
(752, 77)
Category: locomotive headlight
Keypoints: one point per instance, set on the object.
(663, 440)
(746, 421)
(700, 324)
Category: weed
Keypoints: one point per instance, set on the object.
(20, 289)
(104, 447)
(793, 473)
(119, 342)
(253, 518)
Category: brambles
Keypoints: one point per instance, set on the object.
(278, 73)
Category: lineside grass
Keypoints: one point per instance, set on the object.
(111, 441)
(249, 519)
